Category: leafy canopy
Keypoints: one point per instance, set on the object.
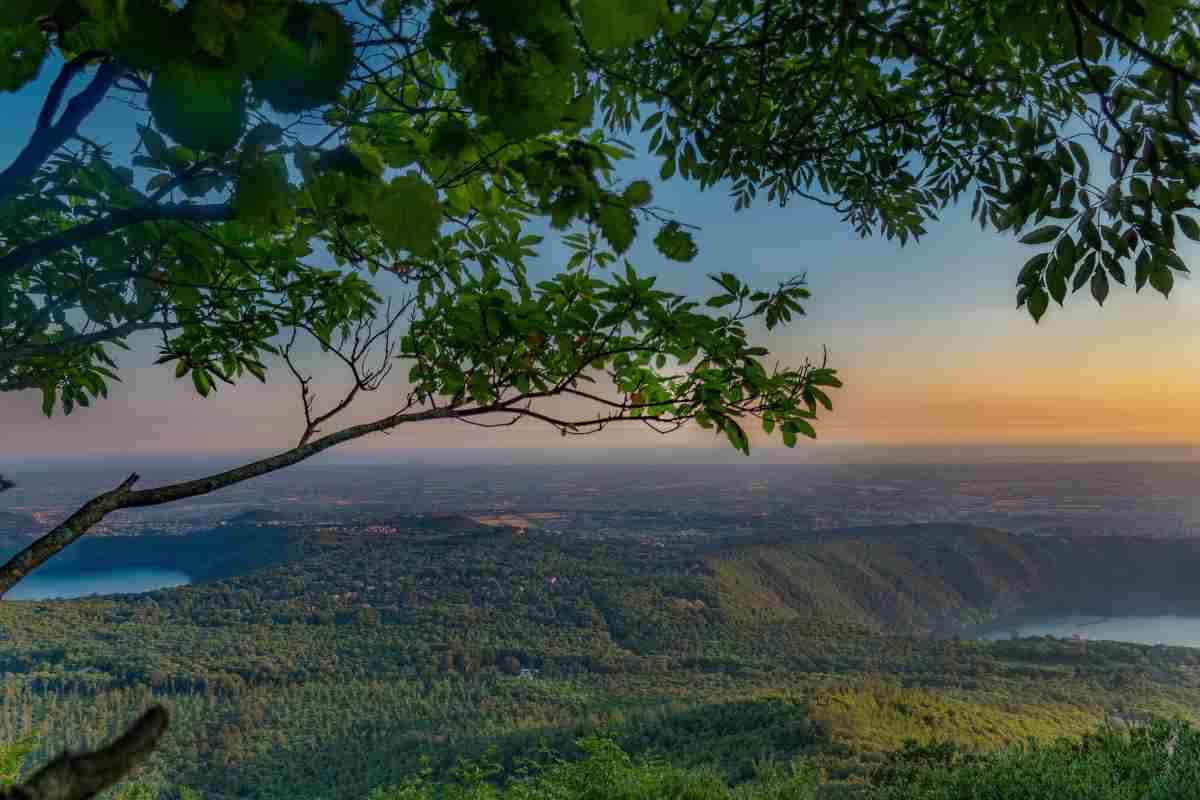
(445, 128)
(887, 112)
(421, 137)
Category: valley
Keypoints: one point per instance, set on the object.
(323, 663)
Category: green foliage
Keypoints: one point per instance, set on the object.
(521, 94)
(639, 193)
(492, 122)
(675, 243)
(1106, 765)
(262, 193)
(491, 112)
(1009, 118)
(309, 61)
(407, 214)
(618, 225)
(610, 24)
(25, 47)
(12, 756)
(199, 106)
(277, 681)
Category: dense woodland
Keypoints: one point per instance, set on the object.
(361, 660)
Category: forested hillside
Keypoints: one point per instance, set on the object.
(943, 578)
(334, 671)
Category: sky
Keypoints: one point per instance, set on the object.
(937, 362)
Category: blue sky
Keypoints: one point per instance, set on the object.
(927, 338)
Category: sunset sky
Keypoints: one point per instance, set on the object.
(927, 339)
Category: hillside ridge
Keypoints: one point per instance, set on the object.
(944, 578)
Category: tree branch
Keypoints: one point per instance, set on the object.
(80, 776)
(48, 138)
(12, 355)
(72, 68)
(96, 509)
(64, 534)
(1124, 38)
(923, 53)
(80, 234)
(1093, 79)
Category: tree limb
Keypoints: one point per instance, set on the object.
(45, 119)
(1125, 39)
(48, 138)
(123, 218)
(10, 355)
(80, 776)
(63, 534)
(66, 532)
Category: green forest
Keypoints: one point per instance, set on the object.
(766, 666)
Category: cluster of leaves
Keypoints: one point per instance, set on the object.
(295, 55)
(220, 280)
(498, 341)
(1140, 119)
(487, 107)
(888, 112)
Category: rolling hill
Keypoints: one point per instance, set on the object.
(375, 650)
(942, 579)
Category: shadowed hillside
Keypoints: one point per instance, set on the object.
(941, 578)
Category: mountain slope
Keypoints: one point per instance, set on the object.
(942, 578)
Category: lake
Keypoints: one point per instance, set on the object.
(1168, 629)
(60, 585)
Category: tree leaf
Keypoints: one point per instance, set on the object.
(1189, 227)
(49, 394)
(1081, 157)
(1042, 235)
(156, 146)
(1162, 279)
(1056, 282)
(1084, 273)
(668, 169)
(201, 381)
(610, 24)
(1037, 303)
(618, 225)
(158, 181)
(1100, 286)
(638, 193)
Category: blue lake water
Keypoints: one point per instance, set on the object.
(1156, 629)
(82, 584)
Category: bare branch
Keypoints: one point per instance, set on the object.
(96, 509)
(306, 396)
(64, 534)
(80, 776)
(365, 380)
